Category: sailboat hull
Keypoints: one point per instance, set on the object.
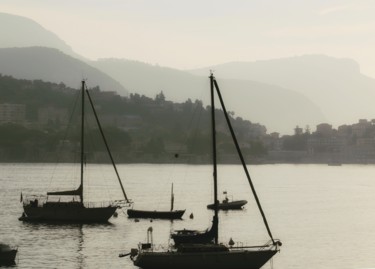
(176, 214)
(67, 212)
(236, 259)
(8, 257)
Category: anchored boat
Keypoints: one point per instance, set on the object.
(157, 214)
(227, 204)
(70, 205)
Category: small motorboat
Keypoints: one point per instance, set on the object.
(226, 204)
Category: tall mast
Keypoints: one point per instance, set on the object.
(82, 137)
(216, 201)
(172, 198)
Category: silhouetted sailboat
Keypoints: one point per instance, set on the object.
(156, 214)
(196, 254)
(186, 236)
(45, 208)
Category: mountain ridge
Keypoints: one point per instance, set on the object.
(335, 84)
(52, 65)
(178, 85)
(36, 35)
(302, 90)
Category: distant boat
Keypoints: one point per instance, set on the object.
(209, 255)
(154, 214)
(7, 254)
(73, 209)
(148, 214)
(226, 204)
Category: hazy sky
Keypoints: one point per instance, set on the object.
(197, 33)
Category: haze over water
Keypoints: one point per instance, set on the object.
(324, 215)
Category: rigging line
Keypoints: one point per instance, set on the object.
(242, 160)
(106, 145)
(89, 151)
(60, 145)
(197, 113)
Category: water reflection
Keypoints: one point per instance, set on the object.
(60, 242)
(80, 257)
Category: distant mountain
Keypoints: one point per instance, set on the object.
(150, 80)
(335, 85)
(278, 108)
(27, 53)
(54, 66)
(17, 31)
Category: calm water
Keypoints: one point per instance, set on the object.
(324, 215)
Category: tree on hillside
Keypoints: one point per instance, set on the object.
(160, 98)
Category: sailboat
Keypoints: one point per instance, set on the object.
(154, 214)
(186, 236)
(70, 205)
(210, 255)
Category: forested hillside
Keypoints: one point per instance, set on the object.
(138, 128)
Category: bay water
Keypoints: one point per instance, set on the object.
(324, 215)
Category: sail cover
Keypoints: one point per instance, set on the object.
(70, 193)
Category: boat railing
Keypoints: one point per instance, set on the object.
(117, 203)
(268, 245)
(41, 200)
(34, 200)
(123, 203)
(97, 204)
(148, 247)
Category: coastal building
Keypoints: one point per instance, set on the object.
(298, 130)
(360, 128)
(324, 129)
(12, 113)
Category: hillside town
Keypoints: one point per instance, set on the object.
(349, 143)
